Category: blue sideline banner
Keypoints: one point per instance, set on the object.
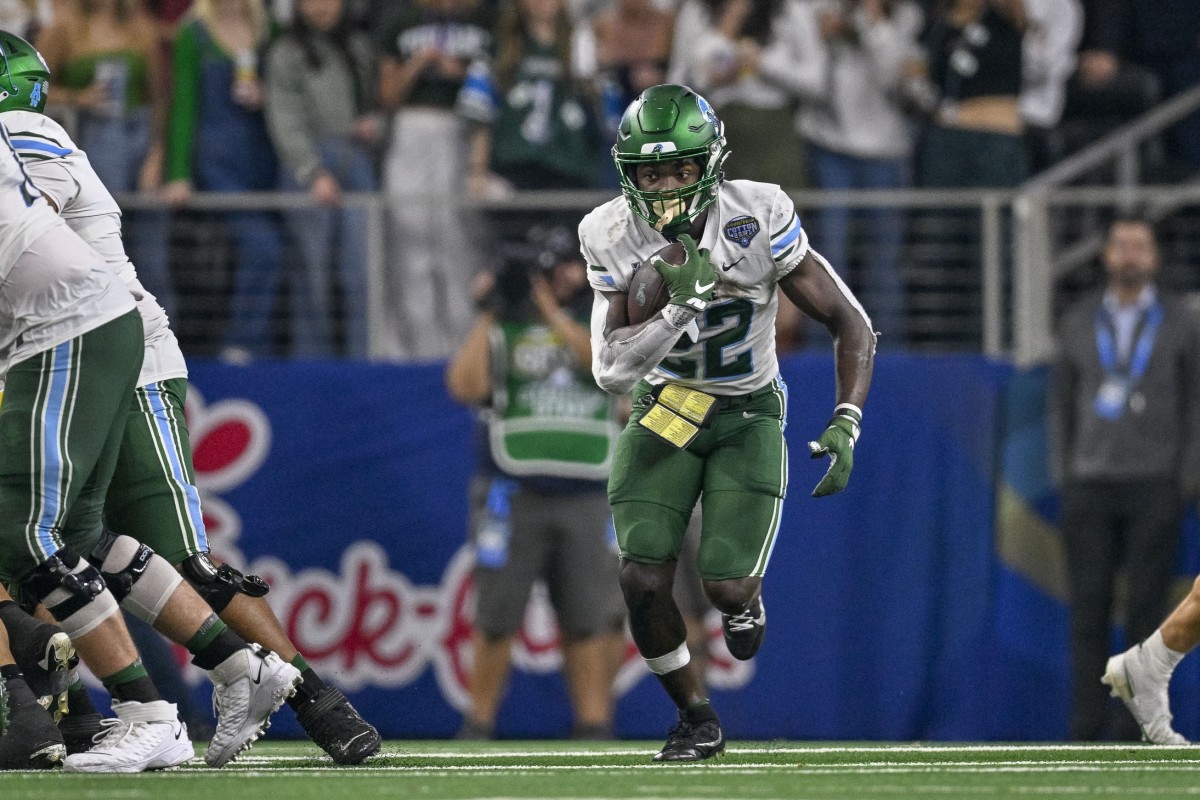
(1029, 663)
(345, 486)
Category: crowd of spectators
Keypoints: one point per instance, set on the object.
(440, 102)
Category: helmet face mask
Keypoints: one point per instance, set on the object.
(24, 76)
(670, 123)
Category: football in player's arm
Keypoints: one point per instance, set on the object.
(709, 403)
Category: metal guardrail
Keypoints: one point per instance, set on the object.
(1120, 146)
(1016, 246)
(245, 201)
(991, 206)
(1036, 264)
(373, 203)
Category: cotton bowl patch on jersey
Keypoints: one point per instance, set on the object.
(742, 230)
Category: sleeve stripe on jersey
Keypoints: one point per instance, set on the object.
(609, 280)
(786, 254)
(44, 147)
(597, 268)
(793, 233)
(33, 135)
(786, 227)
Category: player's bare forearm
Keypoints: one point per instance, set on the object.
(854, 362)
(616, 322)
(816, 291)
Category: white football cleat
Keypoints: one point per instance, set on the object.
(144, 736)
(1144, 693)
(248, 687)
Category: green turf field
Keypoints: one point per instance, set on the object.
(822, 771)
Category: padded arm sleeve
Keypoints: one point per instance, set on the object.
(619, 364)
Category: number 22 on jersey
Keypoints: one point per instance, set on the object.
(712, 362)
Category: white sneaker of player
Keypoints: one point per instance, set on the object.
(144, 736)
(248, 687)
(1144, 692)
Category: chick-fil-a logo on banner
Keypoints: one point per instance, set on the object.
(367, 624)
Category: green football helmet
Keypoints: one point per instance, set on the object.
(24, 76)
(669, 123)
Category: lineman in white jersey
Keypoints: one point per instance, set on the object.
(709, 406)
(72, 338)
(153, 497)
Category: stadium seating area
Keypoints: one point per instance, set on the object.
(389, 278)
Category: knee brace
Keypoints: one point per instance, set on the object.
(72, 590)
(218, 585)
(141, 580)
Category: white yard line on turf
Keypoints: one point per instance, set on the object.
(798, 769)
(499, 751)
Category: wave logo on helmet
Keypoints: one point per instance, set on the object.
(654, 148)
(7, 74)
(706, 110)
(24, 75)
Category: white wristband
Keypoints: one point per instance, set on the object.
(854, 414)
(848, 407)
(678, 316)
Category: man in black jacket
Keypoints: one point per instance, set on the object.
(1125, 449)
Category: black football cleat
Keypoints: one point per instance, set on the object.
(744, 632)
(31, 740)
(693, 739)
(46, 657)
(334, 726)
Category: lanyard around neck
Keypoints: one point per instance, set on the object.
(1144, 335)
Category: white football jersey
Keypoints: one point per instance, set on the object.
(62, 288)
(755, 238)
(24, 214)
(62, 171)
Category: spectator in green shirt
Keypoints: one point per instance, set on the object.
(217, 142)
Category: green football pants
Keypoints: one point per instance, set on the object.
(737, 467)
(153, 496)
(61, 424)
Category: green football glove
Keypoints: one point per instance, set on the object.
(838, 443)
(691, 283)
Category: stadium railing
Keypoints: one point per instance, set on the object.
(982, 269)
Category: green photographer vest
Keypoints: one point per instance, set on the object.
(549, 418)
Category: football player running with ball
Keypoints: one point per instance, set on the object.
(708, 402)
